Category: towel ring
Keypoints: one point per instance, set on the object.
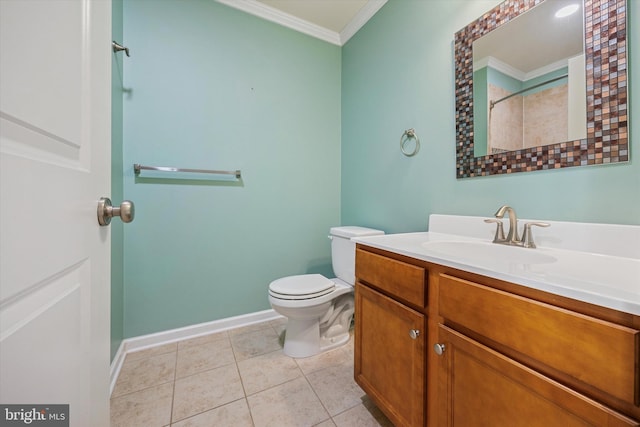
(410, 134)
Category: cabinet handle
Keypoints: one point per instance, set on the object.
(439, 349)
(414, 334)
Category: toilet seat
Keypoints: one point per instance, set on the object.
(301, 287)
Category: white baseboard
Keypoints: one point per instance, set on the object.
(143, 342)
(116, 365)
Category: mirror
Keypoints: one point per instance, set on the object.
(530, 91)
(590, 101)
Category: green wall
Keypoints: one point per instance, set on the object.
(398, 73)
(215, 88)
(117, 230)
(315, 129)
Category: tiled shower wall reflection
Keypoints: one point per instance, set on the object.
(526, 121)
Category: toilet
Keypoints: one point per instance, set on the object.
(319, 310)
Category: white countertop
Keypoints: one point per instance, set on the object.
(606, 280)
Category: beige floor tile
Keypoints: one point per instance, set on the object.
(255, 343)
(198, 358)
(278, 321)
(360, 416)
(202, 381)
(268, 370)
(138, 374)
(336, 388)
(292, 404)
(324, 360)
(203, 339)
(328, 423)
(234, 414)
(150, 407)
(152, 351)
(250, 328)
(350, 346)
(206, 390)
(281, 332)
(279, 325)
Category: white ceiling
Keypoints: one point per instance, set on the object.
(534, 39)
(335, 21)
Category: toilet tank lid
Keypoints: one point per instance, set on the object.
(354, 231)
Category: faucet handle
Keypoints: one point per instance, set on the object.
(527, 236)
(499, 236)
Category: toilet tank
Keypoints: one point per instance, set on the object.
(343, 250)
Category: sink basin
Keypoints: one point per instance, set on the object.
(488, 252)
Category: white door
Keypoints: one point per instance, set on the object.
(55, 107)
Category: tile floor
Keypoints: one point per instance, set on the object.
(240, 378)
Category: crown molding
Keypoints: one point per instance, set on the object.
(515, 73)
(361, 18)
(498, 65)
(547, 69)
(263, 11)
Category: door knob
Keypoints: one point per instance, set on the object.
(126, 211)
(439, 349)
(414, 334)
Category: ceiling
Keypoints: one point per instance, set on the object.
(535, 39)
(335, 21)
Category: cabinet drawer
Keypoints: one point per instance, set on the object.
(596, 352)
(397, 278)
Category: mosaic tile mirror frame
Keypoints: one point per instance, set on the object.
(606, 76)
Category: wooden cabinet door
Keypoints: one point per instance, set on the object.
(480, 387)
(389, 358)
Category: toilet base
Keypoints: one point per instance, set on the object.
(303, 339)
(334, 342)
(308, 337)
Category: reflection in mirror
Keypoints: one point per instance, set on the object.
(603, 39)
(530, 90)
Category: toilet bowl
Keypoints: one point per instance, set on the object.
(319, 310)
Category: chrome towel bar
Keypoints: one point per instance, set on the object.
(138, 167)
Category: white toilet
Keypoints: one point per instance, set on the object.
(319, 310)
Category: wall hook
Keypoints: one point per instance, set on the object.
(117, 47)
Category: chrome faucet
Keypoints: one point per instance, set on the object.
(512, 236)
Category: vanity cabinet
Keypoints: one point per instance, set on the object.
(390, 336)
(496, 353)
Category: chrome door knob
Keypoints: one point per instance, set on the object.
(414, 334)
(126, 211)
(439, 349)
